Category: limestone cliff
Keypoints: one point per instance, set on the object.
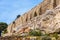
(45, 16)
(48, 22)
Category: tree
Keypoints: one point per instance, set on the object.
(18, 16)
(3, 27)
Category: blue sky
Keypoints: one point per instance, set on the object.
(9, 9)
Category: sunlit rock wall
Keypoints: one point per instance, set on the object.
(39, 10)
(49, 22)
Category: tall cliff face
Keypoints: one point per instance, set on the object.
(36, 14)
(49, 22)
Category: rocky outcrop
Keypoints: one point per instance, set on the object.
(44, 16)
(48, 22)
(25, 38)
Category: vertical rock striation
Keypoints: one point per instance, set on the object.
(45, 16)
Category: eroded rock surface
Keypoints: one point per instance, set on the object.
(49, 22)
(45, 16)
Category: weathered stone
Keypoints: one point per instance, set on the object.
(45, 16)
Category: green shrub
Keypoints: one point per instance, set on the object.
(35, 33)
(55, 35)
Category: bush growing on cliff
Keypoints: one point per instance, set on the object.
(18, 16)
(55, 35)
(35, 33)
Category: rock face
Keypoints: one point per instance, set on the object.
(45, 16)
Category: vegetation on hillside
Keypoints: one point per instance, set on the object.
(3, 27)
